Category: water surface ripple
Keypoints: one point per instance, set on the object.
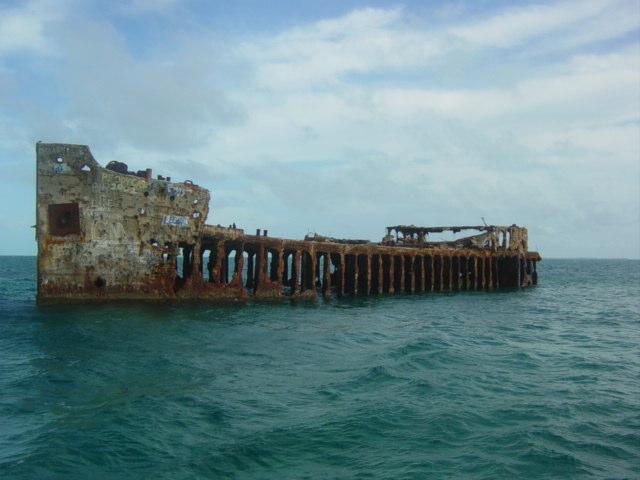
(541, 383)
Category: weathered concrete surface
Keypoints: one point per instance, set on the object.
(107, 233)
(125, 230)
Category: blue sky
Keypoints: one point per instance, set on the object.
(341, 117)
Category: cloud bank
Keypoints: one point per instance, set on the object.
(342, 125)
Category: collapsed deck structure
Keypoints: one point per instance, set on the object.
(109, 233)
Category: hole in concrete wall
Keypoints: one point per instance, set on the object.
(487, 272)
(332, 267)
(99, 283)
(462, 272)
(386, 281)
(172, 198)
(349, 273)
(268, 259)
(180, 263)
(397, 273)
(418, 273)
(408, 273)
(231, 264)
(273, 259)
(320, 261)
(288, 263)
(363, 272)
(375, 269)
(246, 258)
(248, 264)
(170, 248)
(229, 261)
(469, 278)
(146, 194)
(437, 272)
(306, 271)
(446, 273)
(184, 264)
(336, 274)
(325, 264)
(458, 272)
(428, 278)
(208, 261)
(205, 267)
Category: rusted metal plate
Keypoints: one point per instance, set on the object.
(64, 219)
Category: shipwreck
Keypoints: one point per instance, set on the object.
(109, 233)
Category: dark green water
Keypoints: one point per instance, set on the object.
(541, 383)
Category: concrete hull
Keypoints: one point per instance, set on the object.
(114, 235)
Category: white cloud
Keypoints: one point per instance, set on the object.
(23, 28)
(115, 98)
(360, 42)
(582, 21)
(591, 86)
(142, 7)
(375, 117)
(382, 152)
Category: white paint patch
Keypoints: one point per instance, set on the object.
(175, 220)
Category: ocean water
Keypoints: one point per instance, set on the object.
(539, 383)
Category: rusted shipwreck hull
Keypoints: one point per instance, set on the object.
(108, 233)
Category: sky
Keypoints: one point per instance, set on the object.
(341, 117)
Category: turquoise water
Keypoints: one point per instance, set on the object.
(540, 383)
